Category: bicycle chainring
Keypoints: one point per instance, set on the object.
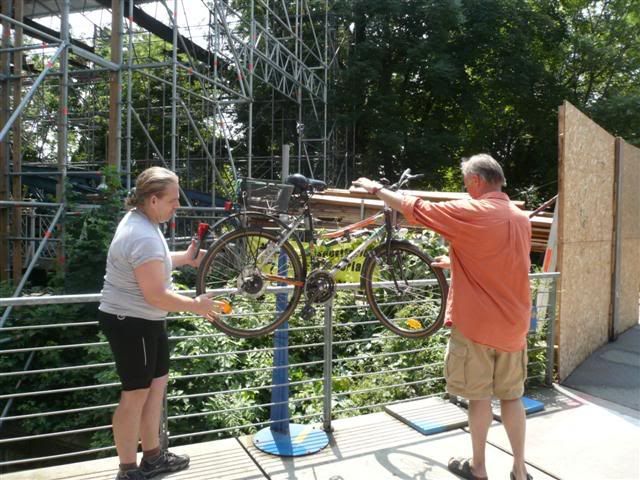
(319, 287)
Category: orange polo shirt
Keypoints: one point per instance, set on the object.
(489, 243)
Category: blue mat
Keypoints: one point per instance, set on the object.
(429, 416)
(530, 406)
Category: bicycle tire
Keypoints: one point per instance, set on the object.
(230, 264)
(251, 219)
(413, 311)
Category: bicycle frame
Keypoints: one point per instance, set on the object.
(289, 229)
(385, 230)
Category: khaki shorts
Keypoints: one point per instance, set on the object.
(478, 372)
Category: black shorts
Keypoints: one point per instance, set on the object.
(140, 348)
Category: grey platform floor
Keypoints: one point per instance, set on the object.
(577, 437)
(612, 372)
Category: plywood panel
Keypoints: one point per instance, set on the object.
(585, 236)
(584, 308)
(629, 261)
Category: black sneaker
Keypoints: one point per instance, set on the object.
(166, 462)
(135, 474)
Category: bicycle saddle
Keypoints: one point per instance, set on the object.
(304, 184)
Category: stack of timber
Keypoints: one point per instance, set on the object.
(339, 207)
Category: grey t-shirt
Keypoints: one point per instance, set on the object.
(137, 240)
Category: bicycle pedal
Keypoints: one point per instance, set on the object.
(308, 312)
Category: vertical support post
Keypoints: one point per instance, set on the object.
(283, 437)
(174, 106)
(327, 388)
(614, 325)
(551, 319)
(5, 69)
(63, 125)
(216, 49)
(297, 75)
(280, 377)
(164, 421)
(286, 148)
(129, 95)
(16, 148)
(115, 83)
(252, 43)
(174, 88)
(325, 140)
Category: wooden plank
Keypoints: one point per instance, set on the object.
(337, 210)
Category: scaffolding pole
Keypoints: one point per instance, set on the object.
(16, 147)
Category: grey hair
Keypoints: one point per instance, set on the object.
(152, 181)
(486, 167)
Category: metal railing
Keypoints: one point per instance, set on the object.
(57, 393)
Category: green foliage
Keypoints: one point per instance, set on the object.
(423, 83)
(86, 239)
(88, 235)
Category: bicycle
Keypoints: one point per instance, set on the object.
(255, 266)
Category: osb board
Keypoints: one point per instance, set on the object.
(585, 236)
(629, 261)
(584, 304)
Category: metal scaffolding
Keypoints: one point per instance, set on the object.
(211, 89)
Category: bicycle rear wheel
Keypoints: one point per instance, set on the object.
(262, 282)
(406, 294)
(256, 220)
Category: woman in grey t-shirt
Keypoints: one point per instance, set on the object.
(136, 297)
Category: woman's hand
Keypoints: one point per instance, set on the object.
(205, 307)
(441, 261)
(191, 252)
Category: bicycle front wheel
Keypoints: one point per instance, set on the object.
(263, 283)
(406, 294)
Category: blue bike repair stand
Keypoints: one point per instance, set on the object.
(282, 437)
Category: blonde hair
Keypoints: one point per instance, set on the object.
(152, 181)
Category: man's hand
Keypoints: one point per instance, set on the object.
(369, 185)
(441, 261)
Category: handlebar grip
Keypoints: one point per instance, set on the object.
(203, 229)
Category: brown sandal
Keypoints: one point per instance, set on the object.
(462, 468)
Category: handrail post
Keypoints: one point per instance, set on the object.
(551, 330)
(328, 367)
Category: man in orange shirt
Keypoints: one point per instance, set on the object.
(489, 302)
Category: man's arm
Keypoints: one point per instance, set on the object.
(393, 199)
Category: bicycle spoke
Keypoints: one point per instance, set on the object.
(405, 293)
(262, 291)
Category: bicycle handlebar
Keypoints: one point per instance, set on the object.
(405, 178)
